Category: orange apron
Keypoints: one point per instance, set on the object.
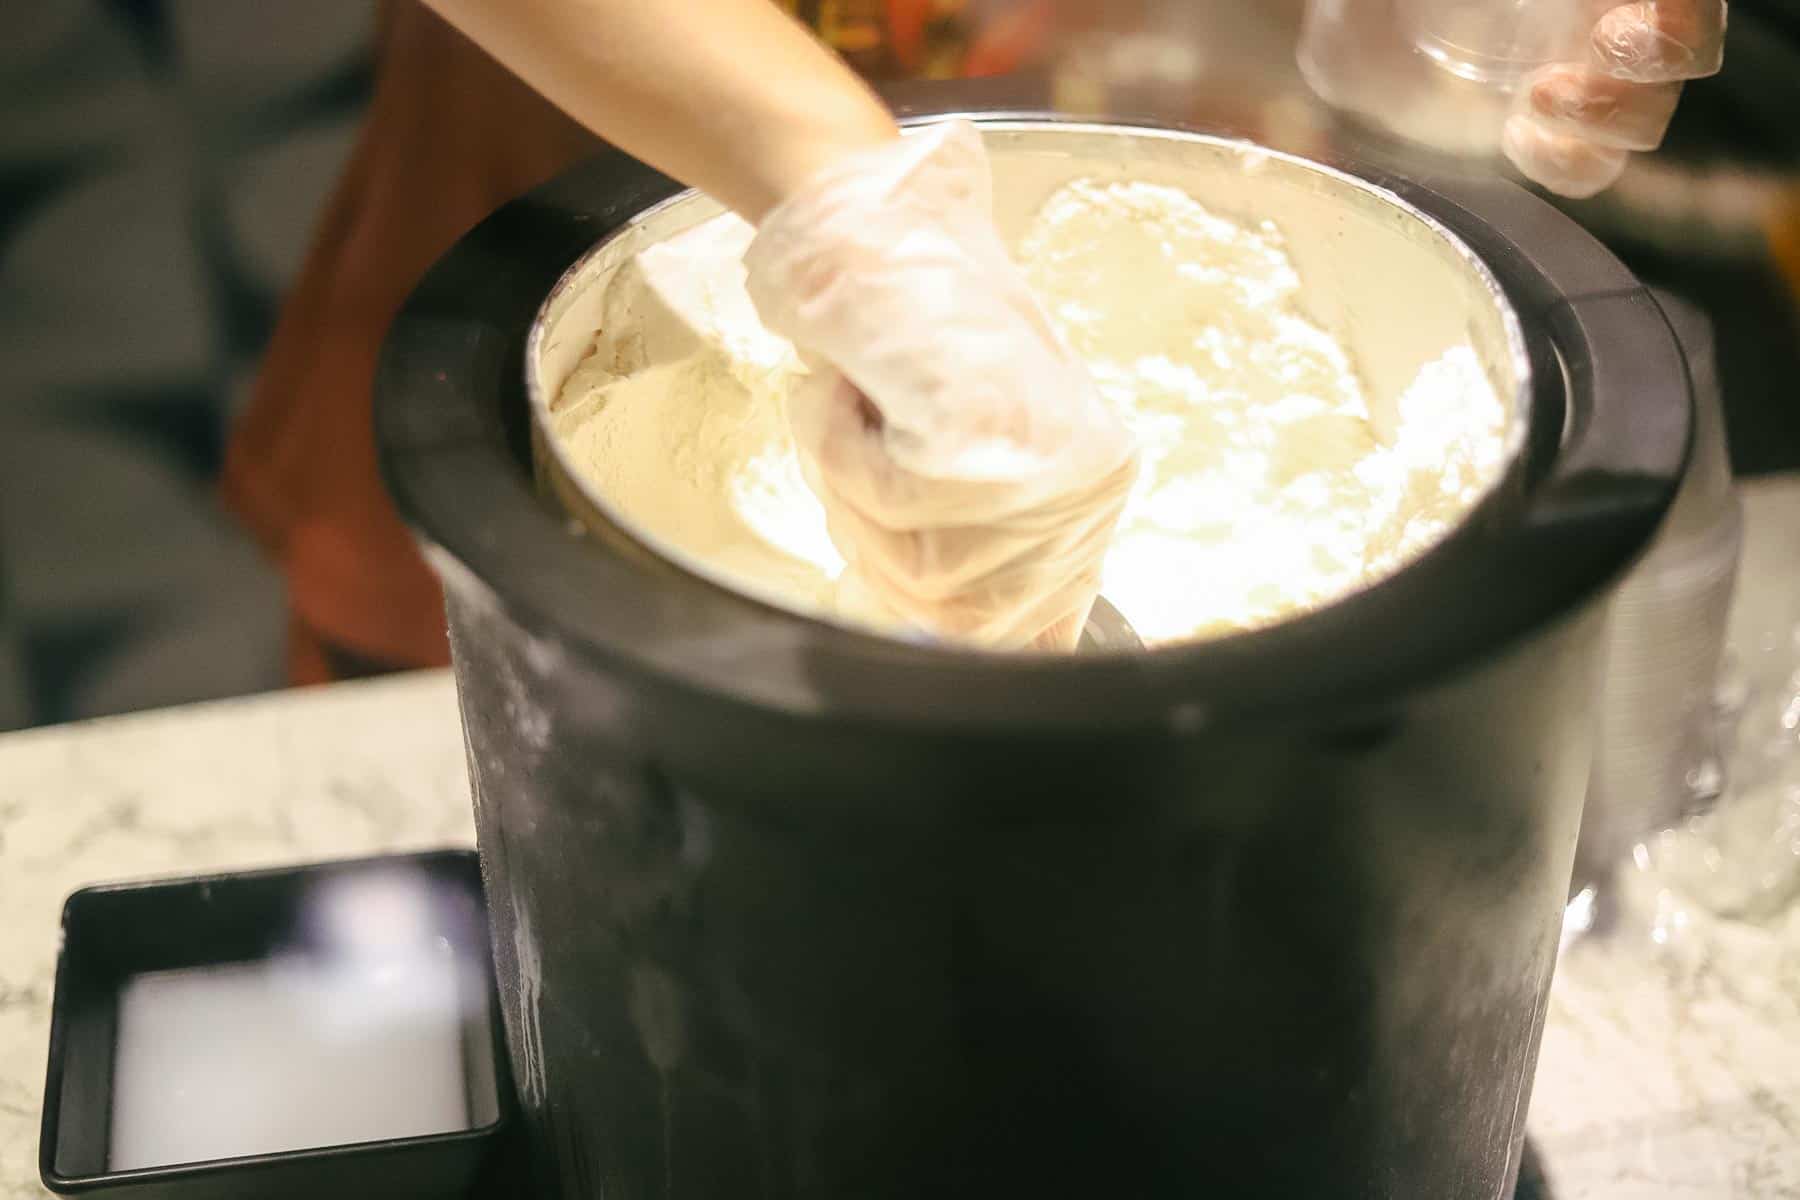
(448, 137)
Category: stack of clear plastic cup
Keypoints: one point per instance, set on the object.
(1441, 73)
(1657, 757)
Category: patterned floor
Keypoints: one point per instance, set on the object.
(160, 164)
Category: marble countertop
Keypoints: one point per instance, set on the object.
(1670, 1069)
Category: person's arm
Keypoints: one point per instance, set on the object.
(730, 96)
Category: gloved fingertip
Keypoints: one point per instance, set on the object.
(1561, 93)
(1569, 166)
(1654, 41)
(1517, 140)
(1585, 104)
(1625, 42)
(1585, 187)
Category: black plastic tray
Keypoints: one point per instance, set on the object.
(113, 932)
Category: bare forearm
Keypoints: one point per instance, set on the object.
(730, 96)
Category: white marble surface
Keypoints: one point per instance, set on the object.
(1669, 1072)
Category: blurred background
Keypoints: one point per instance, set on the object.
(161, 166)
(164, 163)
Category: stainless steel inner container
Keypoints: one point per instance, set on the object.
(1381, 274)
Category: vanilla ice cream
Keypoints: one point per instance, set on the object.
(1269, 487)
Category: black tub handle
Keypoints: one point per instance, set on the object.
(1628, 428)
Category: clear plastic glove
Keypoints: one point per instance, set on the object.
(1578, 122)
(971, 474)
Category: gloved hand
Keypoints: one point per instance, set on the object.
(971, 475)
(1578, 122)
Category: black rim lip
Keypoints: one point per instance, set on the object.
(806, 667)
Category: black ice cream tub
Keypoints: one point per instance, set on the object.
(785, 909)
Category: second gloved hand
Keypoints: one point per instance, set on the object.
(1579, 121)
(971, 474)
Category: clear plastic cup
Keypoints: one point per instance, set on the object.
(1496, 42)
(1440, 73)
(1657, 756)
